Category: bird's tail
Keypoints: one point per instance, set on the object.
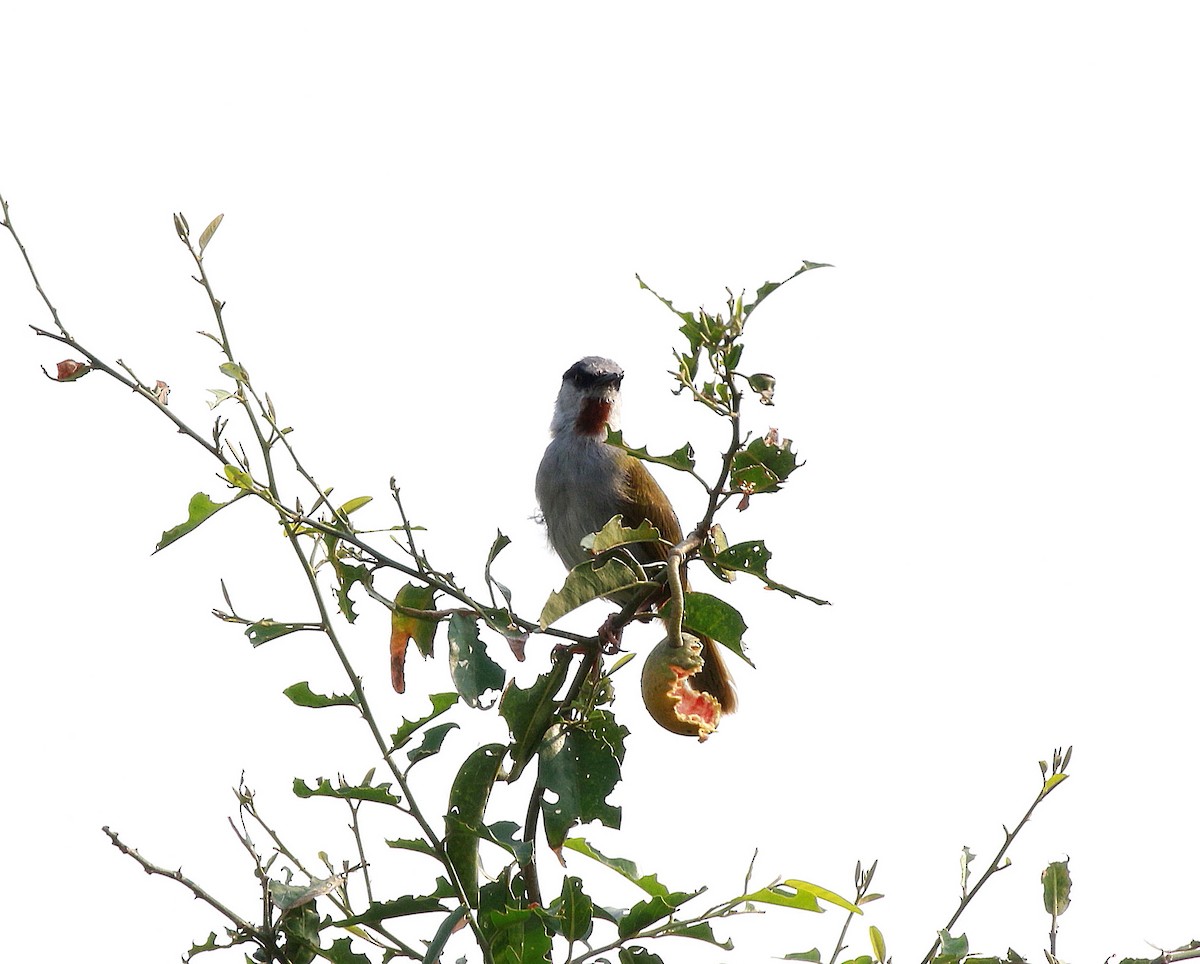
(714, 676)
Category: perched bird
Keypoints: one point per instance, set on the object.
(583, 482)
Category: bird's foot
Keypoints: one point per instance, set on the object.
(610, 635)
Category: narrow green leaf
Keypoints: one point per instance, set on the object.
(701, 932)
(646, 912)
(441, 703)
(468, 798)
(377, 912)
(376, 794)
(416, 846)
(266, 630)
(574, 910)
(683, 459)
(200, 509)
(301, 695)
(814, 956)
(770, 286)
(354, 504)
(208, 232)
(498, 546)
(474, 672)
(589, 581)
(801, 895)
(433, 954)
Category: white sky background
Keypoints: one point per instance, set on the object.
(428, 217)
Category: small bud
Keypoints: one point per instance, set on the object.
(161, 391)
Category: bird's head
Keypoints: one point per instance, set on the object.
(589, 402)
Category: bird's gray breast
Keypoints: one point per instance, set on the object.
(577, 488)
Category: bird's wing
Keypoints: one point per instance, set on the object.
(641, 498)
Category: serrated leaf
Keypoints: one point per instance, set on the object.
(636, 954)
(266, 630)
(771, 286)
(301, 695)
(376, 794)
(528, 713)
(683, 459)
(801, 895)
(342, 953)
(581, 766)
(518, 936)
(701, 932)
(379, 911)
(208, 232)
(615, 533)
(752, 557)
(468, 799)
(952, 948)
(416, 846)
(474, 672)
(762, 467)
(590, 581)
(406, 628)
(441, 703)
(646, 912)
(431, 742)
(200, 509)
(626, 868)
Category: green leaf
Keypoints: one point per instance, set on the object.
(709, 616)
(377, 912)
(341, 953)
(878, 947)
(474, 672)
(581, 766)
(761, 467)
(301, 695)
(441, 703)
(498, 546)
(431, 742)
(636, 954)
(574, 910)
(764, 385)
(407, 627)
(468, 798)
(376, 794)
(801, 895)
(528, 713)
(814, 955)
(616, 533)
(951, 948)
(770, 286)
(200, 509)
(589, 581)
(626, 868)
(518, 936)
(234, 371)
(1056, 888)
(239, 479)
(347, 575)
(220, 396)
(683, 459)
(701, 932)
(752, 558)
(266, 630)
(646, 912)
(1053, 781)
(354, 504)
(416, 846)
(208, 232)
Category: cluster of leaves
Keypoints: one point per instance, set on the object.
(565, 740)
